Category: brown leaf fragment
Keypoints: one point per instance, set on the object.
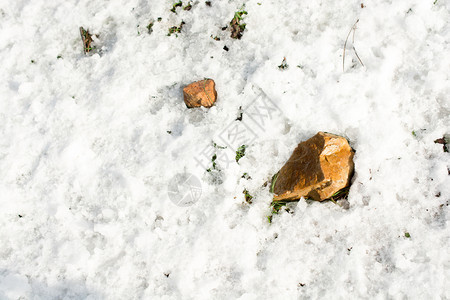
(443, 141)
(86, 37)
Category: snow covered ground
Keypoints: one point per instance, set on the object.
(90, 145)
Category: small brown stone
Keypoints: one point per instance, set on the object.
(200, 93)
(318, 168)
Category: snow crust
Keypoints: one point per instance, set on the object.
(86, 157)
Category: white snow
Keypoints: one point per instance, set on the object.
(86, 159)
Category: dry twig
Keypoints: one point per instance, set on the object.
(354, 49)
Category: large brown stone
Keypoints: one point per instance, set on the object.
(200, 93)
(318, 168)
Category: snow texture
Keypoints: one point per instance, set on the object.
(90, 144)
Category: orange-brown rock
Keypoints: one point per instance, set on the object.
(318, 168)
(200, 93)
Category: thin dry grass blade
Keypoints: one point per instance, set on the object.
(345, 44)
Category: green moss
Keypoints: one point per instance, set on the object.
(150, 27)
(214, 164)
(240, 152)
(276, 207)
(283, 65)
(248, 197)
(188, 7)
(237, 24)
(174, 7)
(176, 29)
(246, 176)
(218, 147)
